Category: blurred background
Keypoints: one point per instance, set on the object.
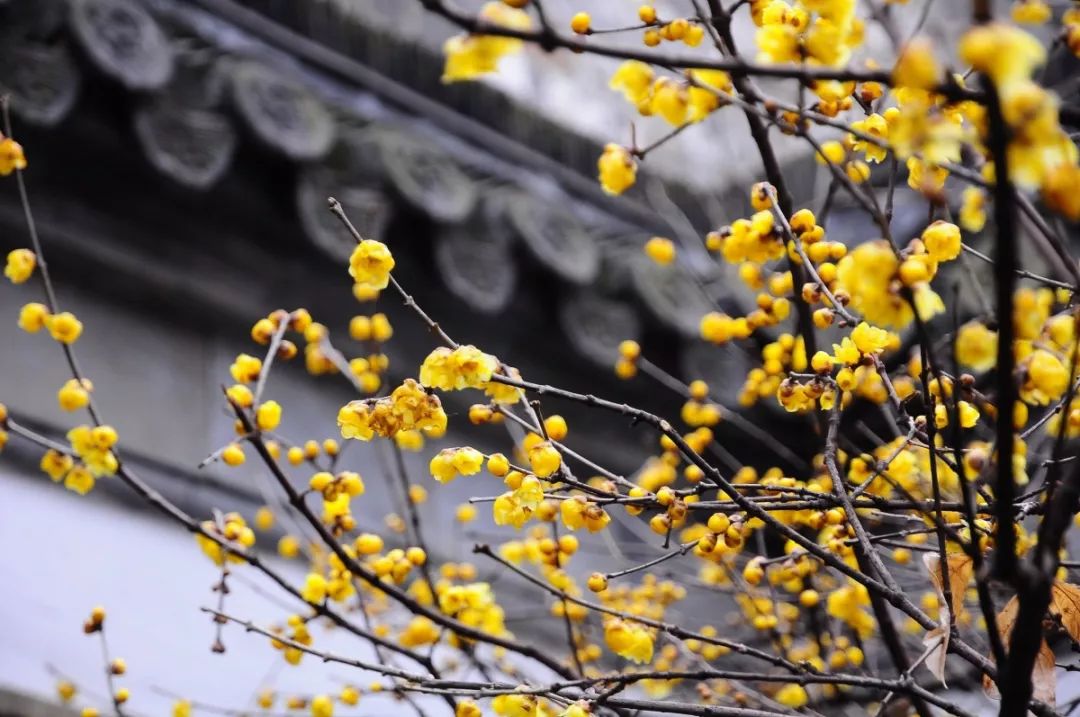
(180, 156)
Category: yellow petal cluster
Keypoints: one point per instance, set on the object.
(455, 369)
(409, 407)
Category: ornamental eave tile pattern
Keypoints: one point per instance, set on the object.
(204, 93)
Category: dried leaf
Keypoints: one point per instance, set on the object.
(1044, 674)
(1005, 621)
(936, 640)
(961, 568)
(1065, 601)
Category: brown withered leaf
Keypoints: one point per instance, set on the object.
(936, 640)
(1043, 678)
(1065, 601)
(961, 568)
(1044, 674)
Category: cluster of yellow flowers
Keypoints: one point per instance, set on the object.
(820, 31)
(516, 506)
(232, 529)
(449, 463)
(63, 327)
(471, 604)
(408, 408)
(688, 31)
(469, 56)
(1040, 153)
(699, 411)
(296, 630)
(678, 101)
(94, 447)
(629, 640)
(458, 368)
(788, 352)
(337, 584)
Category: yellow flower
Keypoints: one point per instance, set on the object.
(1047, 378)
(634, 80)
(409, 440)
(670, 100)
(74, 394)
(65, 690)
(942, 241)
(233, 455)
(92, 446)
(408, 408)
(79, 479)
(717, 79)
(716, 327)
(916, 66)
(56, 465)
(508, 510)
(322, 706)
(245, 368)
(778, 42)
(577, 709)
(314, 589)
(660, 250)
(700, 103)
(1006, 53)
(268, 415)
(240, 394)
(578, 512)
(469, 56)
(792, 695)
(288, 546)
(969, 415)
(867, 274)
(20, 265)
(544, 459)
(976, 347)
(452, 370)
(515, 706)
(874, 126)
(530, 493)
(1060, 190)
(32, 317)
(370, 264)
(337, 510)
(973, 208)
(629, 640)
(449, 463)
(64, 327)
(504, 394)
(349, 695)
(420, 631)
(467, 708)
(1030, 12)
(11, 156)
(926, 177)
(618, 170)
(264, 518)
(869, 339)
